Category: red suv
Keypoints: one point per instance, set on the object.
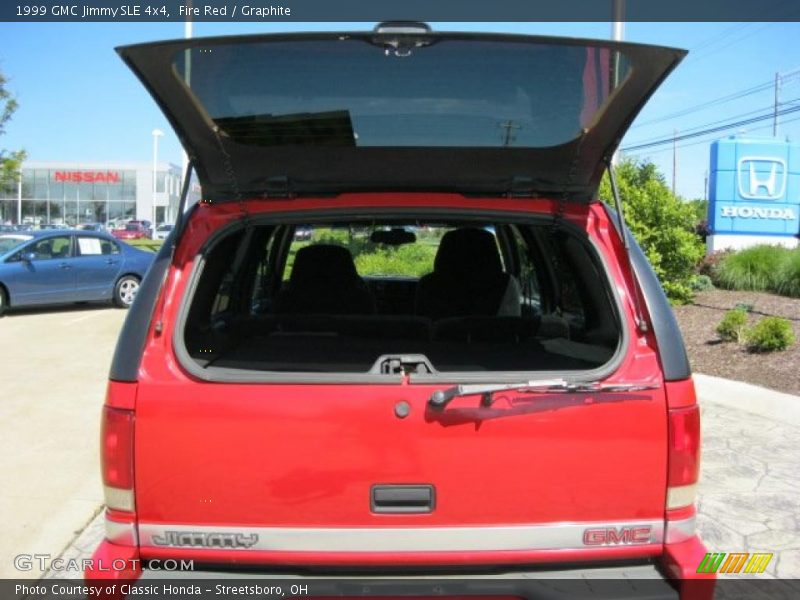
(470, 368)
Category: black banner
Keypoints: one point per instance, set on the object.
(218, 586)
(383, 10)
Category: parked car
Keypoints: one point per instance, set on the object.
(61, 267)
(133, 230)
(91, 227)
(303, 233)
(162, 231)
(510, 394)
(53, 226)
(148, 226)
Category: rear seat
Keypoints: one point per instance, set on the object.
(454, 329)
(367, 327)
(486, 329)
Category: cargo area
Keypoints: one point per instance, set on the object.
(412, 296)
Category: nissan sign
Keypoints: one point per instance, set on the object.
(86, 176)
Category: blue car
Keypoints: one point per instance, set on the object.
(60, 267)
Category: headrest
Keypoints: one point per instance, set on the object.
(467, 251)
(323, 263)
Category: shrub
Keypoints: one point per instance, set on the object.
(731, 327)
(770, 334)
(702, 283)
(753, 269)
(787, 280)
(745, 306)
(708, 264)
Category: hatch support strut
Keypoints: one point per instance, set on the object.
(180, 219)
(641, 323)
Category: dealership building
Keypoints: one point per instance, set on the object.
(92, 192)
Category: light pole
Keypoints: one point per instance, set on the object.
(618, 22)
(187, 61)
(19, 197)
(156, 133)
(617, 34)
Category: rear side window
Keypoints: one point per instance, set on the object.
(462, 297)
(92, 246)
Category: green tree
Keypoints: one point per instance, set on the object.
(700, 208)
(10, 162)
(662, 224)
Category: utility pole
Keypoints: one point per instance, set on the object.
(674, 160)
(509, 136)
(705, 186)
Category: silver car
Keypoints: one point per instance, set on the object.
(162, 231)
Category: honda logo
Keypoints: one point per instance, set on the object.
(766, 183)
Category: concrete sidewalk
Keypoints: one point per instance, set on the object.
(749, 398)
(54, 374)
(750, 478)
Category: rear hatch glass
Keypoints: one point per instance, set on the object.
(335, 112)
(458, 93)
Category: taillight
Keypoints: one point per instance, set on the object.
(684, 456)
(116, 454)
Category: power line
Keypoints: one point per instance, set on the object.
(711, 130)
(704, 141)
(782, 12)
(721, 100)
(771, 107)
(697, 57)
(723, 34)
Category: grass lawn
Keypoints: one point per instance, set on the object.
(151, 245)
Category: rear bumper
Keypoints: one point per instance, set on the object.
(673, 577)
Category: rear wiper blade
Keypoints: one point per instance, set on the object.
(441, 398)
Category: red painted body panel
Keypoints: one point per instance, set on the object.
(112, 561)
(680, 562)
(284, 455)
(306, 455)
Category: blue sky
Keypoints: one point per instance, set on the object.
(78, 101)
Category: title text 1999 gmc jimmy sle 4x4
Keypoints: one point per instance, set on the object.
(469, 368)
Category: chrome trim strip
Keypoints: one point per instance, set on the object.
(680, 531)
(555, 536)
(122, 534)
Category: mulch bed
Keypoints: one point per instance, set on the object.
(707, 354)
